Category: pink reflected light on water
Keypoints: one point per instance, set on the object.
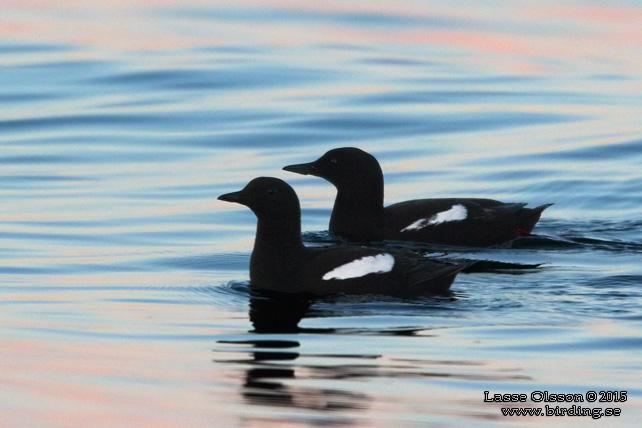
(145, 25)
(113, 348)
(77, 385)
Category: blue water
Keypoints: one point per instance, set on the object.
(124, 294)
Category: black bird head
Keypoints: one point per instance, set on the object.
(267, 197)
(343, 167)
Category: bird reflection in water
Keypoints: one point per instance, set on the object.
(271, 365)
(266, 382)
(327, 387)
(277, 312)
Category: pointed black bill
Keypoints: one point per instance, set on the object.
(302, 168)
(237, 197)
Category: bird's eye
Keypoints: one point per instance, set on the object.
(271, 191)
(334, 161)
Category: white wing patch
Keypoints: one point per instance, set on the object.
(456, 213)
(380, 263)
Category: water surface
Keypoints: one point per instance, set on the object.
(124, 292)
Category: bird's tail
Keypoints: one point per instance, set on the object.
(530, 217)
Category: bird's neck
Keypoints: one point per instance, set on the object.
(277, 237)
(362, 196)
(277, 248)
(357, 211)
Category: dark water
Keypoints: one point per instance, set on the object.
(123, 282)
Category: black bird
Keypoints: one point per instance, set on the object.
(359, 214)
(281, 263)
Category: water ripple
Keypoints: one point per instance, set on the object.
(123, 280)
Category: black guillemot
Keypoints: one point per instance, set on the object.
(359, 214)
(281, 263)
